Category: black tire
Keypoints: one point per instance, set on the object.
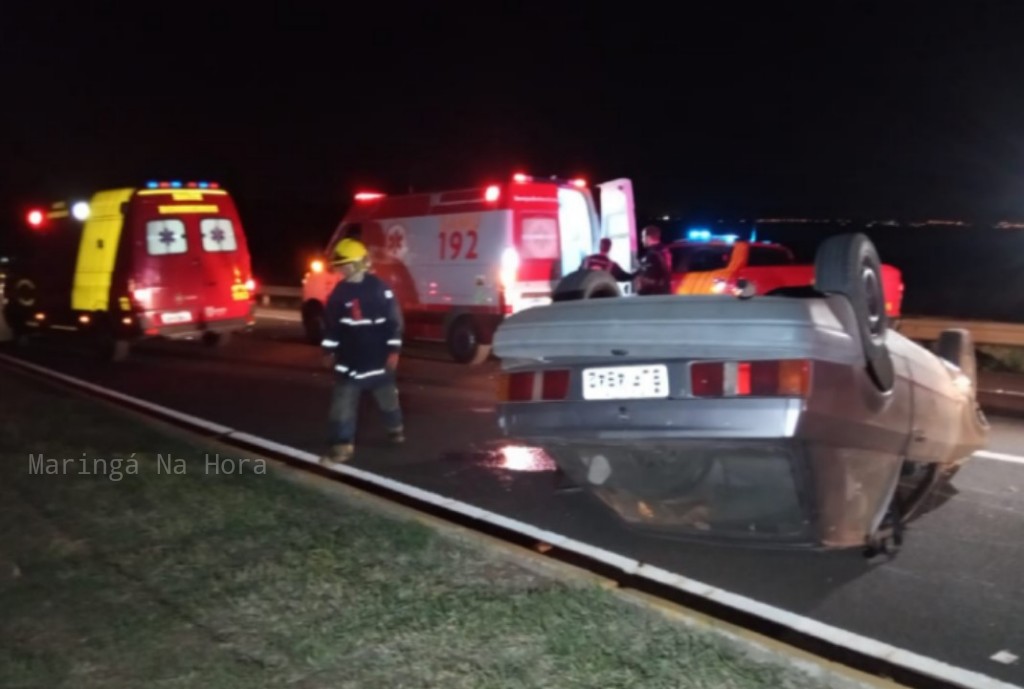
(586, 284)
(14, 318)
(956, 346)
(216, 340)
(465, 343)
(848, 264)
(313, 322)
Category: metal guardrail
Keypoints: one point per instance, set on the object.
(267, 292)
(983, 332)
(914, 327)
(272, 291)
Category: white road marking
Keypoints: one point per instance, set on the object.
(999, 456)
(279, 316)
(1005, 657)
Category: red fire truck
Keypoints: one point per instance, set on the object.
(462, 260)
(167, 260)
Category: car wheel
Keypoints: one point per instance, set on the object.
(586, 284)
(848, 264)
(464, 343)
(313, 322)
(956, 346)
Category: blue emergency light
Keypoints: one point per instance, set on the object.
(702, 234)
(151, 185)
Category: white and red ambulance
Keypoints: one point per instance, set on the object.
(462, 260)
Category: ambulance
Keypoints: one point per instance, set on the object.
(461, 261)
(169, 259)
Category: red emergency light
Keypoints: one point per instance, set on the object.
(579, 183)
(369, 196)
(521, 178)
(35, 217)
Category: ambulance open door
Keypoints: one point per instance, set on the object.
(618, 221)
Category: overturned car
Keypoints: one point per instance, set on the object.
(798, 419)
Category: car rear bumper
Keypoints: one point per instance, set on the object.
(197, 329)
(654, 420)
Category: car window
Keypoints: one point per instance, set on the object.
(697, 259)
(768, 256)
(166, 236)
(218, 234)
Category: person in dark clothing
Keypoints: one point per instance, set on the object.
(655, 273)
(602, 261)
(362, 341)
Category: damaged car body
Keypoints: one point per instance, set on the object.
(799, 419)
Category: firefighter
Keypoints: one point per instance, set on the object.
(655, 274)
(362, 340)
(602, 261)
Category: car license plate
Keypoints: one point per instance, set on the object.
(176, 317)
(626, 382)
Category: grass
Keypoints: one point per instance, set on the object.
(246, 580)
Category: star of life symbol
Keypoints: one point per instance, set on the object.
(394, 244)
(217, 235)
(167, 237)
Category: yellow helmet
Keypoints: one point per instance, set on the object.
(348, 250)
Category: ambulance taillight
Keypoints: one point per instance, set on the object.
(35, 217)
(369, 196)
(509, 267)
(492, 193)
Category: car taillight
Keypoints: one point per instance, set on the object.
(781, 378)
(555, 385)
(534, 386)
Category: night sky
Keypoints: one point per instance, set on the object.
(820, 109)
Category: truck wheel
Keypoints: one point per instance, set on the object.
(956, 346)
(464, 342)
(848, 264)
(313, 322)
(586, 284)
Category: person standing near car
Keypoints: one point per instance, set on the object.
(655, 273)
(602, 261)
(362, 341)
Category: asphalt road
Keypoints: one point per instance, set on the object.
(955, 592)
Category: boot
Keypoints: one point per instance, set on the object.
(338, 455)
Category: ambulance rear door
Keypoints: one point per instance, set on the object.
(618, 220)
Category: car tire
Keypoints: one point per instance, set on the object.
(464, 341)
(956, 346)
(848, 264)
(586, 284)
(313, 322)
